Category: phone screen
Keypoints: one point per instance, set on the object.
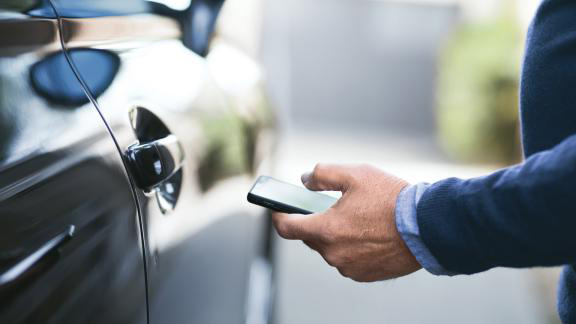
(288, 194)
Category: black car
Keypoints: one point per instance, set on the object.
(130, 133)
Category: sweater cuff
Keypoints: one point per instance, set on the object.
(407, 225)
(445, 229)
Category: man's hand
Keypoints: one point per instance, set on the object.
(358, 234)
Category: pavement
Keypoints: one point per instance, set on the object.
(311, 292)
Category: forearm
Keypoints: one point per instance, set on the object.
(518, 217)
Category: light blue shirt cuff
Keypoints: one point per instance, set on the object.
(407, 225)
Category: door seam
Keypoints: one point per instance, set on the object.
(94, 102)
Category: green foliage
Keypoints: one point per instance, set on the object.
(478, 92)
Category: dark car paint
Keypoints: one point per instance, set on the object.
(204, 252)
(59, 167)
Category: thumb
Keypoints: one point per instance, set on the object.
(297, 227)
(328, 177)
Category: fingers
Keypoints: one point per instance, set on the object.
(298, 227)
(328, 177)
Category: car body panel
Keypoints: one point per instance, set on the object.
(59, 169)
(201, 254)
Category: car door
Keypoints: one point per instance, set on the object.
(70, 244)
(192, 150)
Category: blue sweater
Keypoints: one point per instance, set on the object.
(522, 216)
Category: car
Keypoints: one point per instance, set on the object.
(130, 133)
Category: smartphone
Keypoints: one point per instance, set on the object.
(288, 198)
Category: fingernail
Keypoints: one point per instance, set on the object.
(306, 177)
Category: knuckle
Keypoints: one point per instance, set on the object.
(283, 230)
(318, 167)
(337, 258)
(331, 259)
(319, 170)
(353, 275)
(345, 272)
(344, 258)
(361, 278)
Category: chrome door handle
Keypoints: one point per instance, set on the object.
(23, 266)
(154, 162)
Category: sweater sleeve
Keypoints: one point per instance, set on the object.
(522, 216)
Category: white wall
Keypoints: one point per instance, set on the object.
(352, 63)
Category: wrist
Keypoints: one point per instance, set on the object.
(407, 226)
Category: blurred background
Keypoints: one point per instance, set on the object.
(425, 89)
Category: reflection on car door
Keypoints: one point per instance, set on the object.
(191, 153)
(70, 247)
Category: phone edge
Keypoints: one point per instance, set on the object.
(275, 205)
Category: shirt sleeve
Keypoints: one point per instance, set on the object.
(407, 225)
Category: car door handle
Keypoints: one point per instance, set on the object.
(25, 265)
(154, 162)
